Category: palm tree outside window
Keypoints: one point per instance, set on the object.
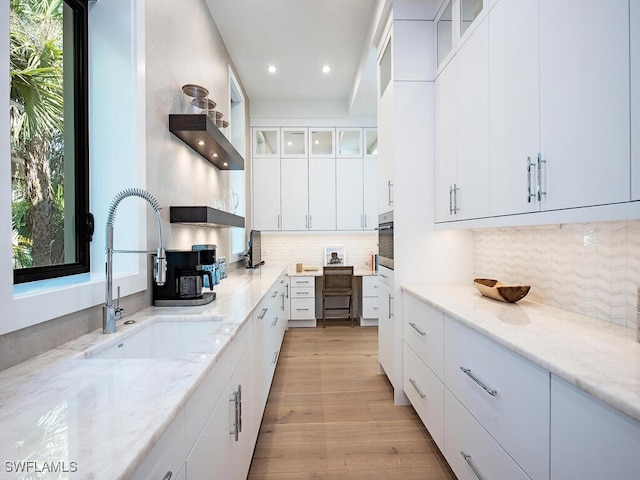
(51, 222)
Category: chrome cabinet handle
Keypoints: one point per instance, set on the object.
(306, 221)
(421, 332)
(365, 220)
(302, 309)
(274, 294)
(263, 313)
(287, 287)
(450, 200)
(415, 386)
(275, 320)
(539, 191)
(168, 475)
(389, 185)
(236, 415)
(275, 357)
(490, 391)
(303, 293)
(467, 458)
(455, 199)
(310, 224)
(240, 408)
(390, 297)
(383, 275)
(278, 221)
(282, 306)
(529, 165)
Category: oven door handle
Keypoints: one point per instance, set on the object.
(386, 227)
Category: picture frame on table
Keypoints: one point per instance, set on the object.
(335, 256)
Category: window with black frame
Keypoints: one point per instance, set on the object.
(51, 222)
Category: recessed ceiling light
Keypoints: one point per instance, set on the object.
(215, 155)
(326, 69)
(272, 69)
(200, 142)
(225, 164)
(317, 142)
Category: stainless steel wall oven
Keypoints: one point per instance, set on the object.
(385, 239)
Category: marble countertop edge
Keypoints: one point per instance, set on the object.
(596, 356)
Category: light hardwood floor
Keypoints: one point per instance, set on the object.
(330, 415)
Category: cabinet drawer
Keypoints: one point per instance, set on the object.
(302, 282)
(423, 330)
(385, 275)
(303, 308)
(465, 436)
(303, 292)
(369, 307)
(507, 394)
(370, 286)
(425, 392)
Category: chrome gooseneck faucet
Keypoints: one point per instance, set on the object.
(111, 312)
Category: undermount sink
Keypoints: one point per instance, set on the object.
(172, 339)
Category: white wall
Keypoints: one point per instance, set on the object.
(183, 46)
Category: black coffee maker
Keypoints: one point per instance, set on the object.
(185, 278)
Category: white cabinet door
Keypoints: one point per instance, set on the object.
(370, 194)
(590, 440)
(219, 453)
(295, 194)
(385, 151)
(514, 111)
(584, 102)
(507, 394)
(322, 194)
(445, 142)
(472, 125)
(350, 195)
(635, 99)
(266, 142)
(386, 331)
(266, 194)
(470, 450)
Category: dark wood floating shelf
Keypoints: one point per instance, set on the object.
(205, 217)
(201, 134)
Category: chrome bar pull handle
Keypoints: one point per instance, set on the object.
(235, 431)
(389, 185)
(274, 294)
(282, 306)
(310, 224)
(262, 313)
(240, 408)
(450, 200)
(168, 475)
(275, 357)
(467, 458)
(415, 327)
(529, 165)
(539, 190)
(417, 389)
(278, 221)
(455, 198)
(390, 308)
(275, 320)
(490, 391)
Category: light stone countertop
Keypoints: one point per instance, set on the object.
(598, 357)
(106, 415)
(357, 272)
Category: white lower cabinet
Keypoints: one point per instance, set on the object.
(223, 449)
(370, 301)
(425, 392)
(589, 439)
(302, 306)
(386, 327)
(507, 394)
(423, 331)
(471, 452)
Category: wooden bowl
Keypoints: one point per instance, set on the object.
(504, 293)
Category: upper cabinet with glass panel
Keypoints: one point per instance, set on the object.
(371, 142)
(321, 142)
(384, 69)
(294, 142)
(469, 11)
(444, 33)
(266, 142)
(349, 142)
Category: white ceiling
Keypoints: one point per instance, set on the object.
(298, 37)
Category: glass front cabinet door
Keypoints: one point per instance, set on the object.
(266, 142)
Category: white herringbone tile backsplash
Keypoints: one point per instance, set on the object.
(308, 248)
(588, 268)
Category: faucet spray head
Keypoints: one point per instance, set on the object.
(160, 267)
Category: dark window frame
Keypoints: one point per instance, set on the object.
(83, 218)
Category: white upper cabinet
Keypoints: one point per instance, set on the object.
(266, 194)
(584, 102)
(322, 194)
(266, 142)
(321, 142)
(444, 33)
(349, 142)
(371, 142)
(469, 11)
(294, 142)
(445, 143)
(295, 193)
(350, 193)
(514, 112)
(472, 125)
(370, 194)
(635, 99)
